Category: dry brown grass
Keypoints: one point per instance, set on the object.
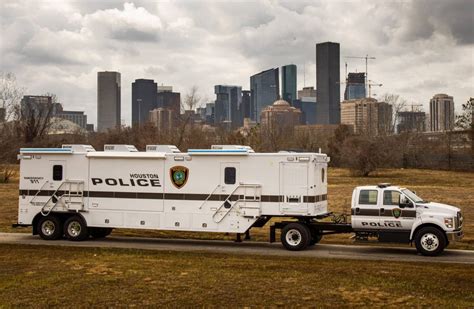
(454, 188)
(36, 276)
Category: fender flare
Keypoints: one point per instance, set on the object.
(62, 215)
(432, 223)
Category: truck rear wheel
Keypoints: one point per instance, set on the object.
(295, 236)
(430, 241)
(50, 228)
(75, 228)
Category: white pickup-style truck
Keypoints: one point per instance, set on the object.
(387, 213)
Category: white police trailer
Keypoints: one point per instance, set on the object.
(77, 192)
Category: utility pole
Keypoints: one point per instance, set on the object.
(367, 58)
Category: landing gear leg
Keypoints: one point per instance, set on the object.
(238, 239)
(247, 235)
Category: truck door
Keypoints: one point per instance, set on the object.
(365, 212)
(293, 187)
(392, 217)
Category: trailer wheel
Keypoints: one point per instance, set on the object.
(50, 228)
(75, 228)
(430, 241)
(315, 237)
(99, 232)
(295, 236)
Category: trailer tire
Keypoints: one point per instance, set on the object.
(50, 228)
(99, 232)
(75, 229)
(315, 238)
(430, 241)
(295, 236)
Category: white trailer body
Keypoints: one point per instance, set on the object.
(209, 190)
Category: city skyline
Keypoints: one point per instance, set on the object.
(172, 44)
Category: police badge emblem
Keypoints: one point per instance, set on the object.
(179, 176)
(396, 212)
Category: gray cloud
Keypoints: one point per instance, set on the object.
(454, 17)
(422, 47)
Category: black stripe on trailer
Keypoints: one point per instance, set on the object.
(172, 196)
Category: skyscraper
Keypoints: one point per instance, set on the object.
(245, 105)
(367, 116)
(441, 113)
(143, 100)
(264, 90)
(227, 108)
(328, 83)
(166, 98)
(355, 86)
(288, 83)
(108, 100)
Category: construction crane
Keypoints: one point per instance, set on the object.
(367, 58)
(371, 84)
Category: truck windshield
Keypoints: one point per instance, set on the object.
(415, 198)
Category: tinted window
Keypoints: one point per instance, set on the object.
(368, 197)
(229, 175)
(57, 172)
(391, 197)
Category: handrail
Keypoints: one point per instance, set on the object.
(241, 185)
(210, 194)
(66, 182)
(38, 192)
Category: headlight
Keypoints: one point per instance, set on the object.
(448, 222)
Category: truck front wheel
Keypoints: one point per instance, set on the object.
(430, 241)
(295, 236)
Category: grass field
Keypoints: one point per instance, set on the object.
(454, 188)
(56, 276)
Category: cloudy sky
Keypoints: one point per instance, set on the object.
(422, 47)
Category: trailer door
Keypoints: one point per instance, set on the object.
(229, 177)
(293, 187)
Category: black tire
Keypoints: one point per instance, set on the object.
(75, 228)
(99, 232)
(315, 237)
(295, 236)
(50, 228)
(430, 241)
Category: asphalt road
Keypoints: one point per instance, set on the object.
(407, 254)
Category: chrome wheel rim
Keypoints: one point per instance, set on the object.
(48, 227)
(293, 237)
(429, 242)
(74, 228)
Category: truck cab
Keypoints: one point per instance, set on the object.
(396, 214)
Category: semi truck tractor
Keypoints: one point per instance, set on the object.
(76, 192)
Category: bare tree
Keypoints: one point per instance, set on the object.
(398, 104)
(189, 104)
(10, 94)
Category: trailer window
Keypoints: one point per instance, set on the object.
(57, 172)
(322, 174)
(391, 197)
(229, 175)
(368, 197)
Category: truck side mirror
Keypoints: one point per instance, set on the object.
(403, 201)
